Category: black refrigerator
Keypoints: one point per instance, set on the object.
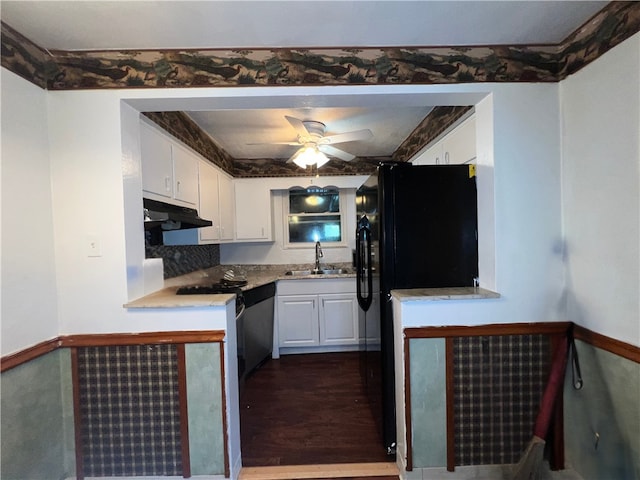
(417, 228)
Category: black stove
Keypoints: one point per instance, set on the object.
(206, 289)
(224, 286)
(215, 288)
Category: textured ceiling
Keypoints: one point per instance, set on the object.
(95, 25)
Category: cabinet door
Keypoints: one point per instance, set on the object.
(227, 207)
(460, 145)
(157, 166)
(208, 208)
(185, 175)
(338, 319)
(253, 212)
(432, 156)
(298, 320)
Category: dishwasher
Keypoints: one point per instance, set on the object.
(254, 329)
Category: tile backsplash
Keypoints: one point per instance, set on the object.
(182, 259)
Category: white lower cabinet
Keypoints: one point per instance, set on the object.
(318, 320)
(338, 319)
(298, 320)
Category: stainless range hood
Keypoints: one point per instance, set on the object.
(171, 217)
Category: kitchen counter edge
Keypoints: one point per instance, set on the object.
(167, 298)
(447, 293)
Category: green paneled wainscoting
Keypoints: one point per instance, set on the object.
(116, 404)
(602, 433)
(472, 397)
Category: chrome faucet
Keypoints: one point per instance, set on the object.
(319, 255)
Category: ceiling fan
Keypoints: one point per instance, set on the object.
(315, 147)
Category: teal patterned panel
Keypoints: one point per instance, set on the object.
(602, 421)
(204, 402)
(129, 407)
(428, 402)
(37, 433)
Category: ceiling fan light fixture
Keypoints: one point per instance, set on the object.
(309, 155)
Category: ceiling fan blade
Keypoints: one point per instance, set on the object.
(297, 124)
(335, 152)
(294, 144)
(291, 158)
(346, 137)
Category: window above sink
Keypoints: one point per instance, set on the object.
(314, 214)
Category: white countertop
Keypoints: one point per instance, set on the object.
(447, 293)
(167, 298)
(256, 275)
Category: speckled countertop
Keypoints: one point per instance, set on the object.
(256, 275)
(436, 294)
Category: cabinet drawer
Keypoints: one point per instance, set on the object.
(317, 286)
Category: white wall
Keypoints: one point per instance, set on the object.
(520, 165)
(601, 199)
(63, 164)
(89, 154)
(28, 296)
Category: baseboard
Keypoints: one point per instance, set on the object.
(336, 470)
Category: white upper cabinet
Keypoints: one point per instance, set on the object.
(209, 206)
(253, 212)
(460, 145)
(169, 171)
(215, 203)
(157, 165)
(227, 207)
(456, 147)
(185, 175)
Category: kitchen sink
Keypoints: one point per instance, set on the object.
(332, 271)
(298, 272)
(323, 271)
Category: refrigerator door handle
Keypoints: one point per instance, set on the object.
(364, 267)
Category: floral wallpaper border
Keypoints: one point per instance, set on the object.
(64, 70)
(183, 128)
(60, 70)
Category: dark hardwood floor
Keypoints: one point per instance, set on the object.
(308, 409)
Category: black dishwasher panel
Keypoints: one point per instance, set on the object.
(255, 329)
(258, 294)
